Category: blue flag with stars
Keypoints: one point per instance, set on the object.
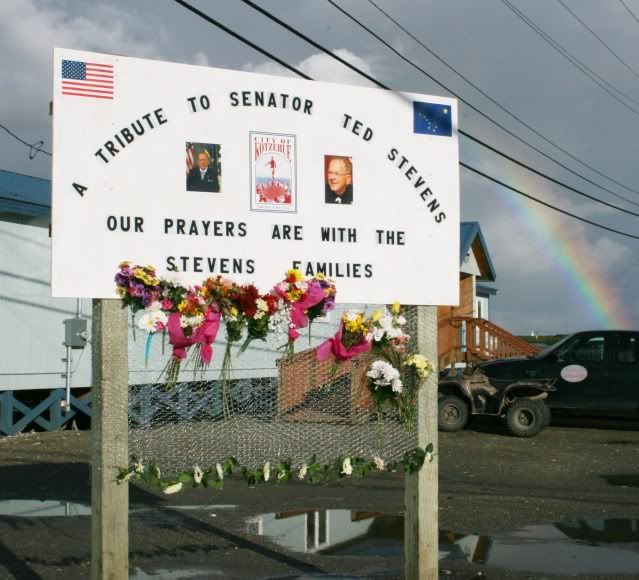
(432, 119)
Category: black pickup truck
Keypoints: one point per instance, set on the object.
(593, 373)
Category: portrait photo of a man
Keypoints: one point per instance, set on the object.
(203, 167)
(338, 187)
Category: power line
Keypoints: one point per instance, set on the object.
(34, 148)
(584, 68)
(508, 112)
(629, 11)
(461, 132)
(621, 60)
(546, 204)
(239, 37)
(300, 73)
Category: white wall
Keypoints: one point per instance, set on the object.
(31, 322)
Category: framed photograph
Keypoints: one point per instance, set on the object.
(338, 179)
(273, 172)
(203, 167)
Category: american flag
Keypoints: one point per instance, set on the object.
(190, 162)
(87, 79)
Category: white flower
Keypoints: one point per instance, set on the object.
(172, 280)
(378, 333)
(157, 472)
(383, 374)
(219, 471)
(191, 321)
(197, 474)
(347, 468)
(379, 463)
(259, 314)
(126, 477)
(428, 457)
(155, 306)
(401, 320)
(280, 321)
(267, 471)
(139, 467)
(303, 471)
(174, 488)
(152, 319)
(261, 305)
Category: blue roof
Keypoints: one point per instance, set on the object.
(24, 195)
(483, 290)
(470, 231)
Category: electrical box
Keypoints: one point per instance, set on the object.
(75, 332)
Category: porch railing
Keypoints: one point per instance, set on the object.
(464, 339)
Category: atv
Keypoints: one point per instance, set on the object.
(521, 404)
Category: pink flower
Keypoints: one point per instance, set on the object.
(167, 304)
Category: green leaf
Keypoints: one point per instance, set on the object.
(185, 477)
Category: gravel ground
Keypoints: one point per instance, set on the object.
(490, 484)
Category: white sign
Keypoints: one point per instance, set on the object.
(205, 171)
(574, 373)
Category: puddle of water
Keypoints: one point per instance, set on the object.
(568, 547)
(139, 574)
(34, 508)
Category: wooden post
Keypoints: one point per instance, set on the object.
(421, 524)
(110, 443)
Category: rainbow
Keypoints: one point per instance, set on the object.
(586, 281)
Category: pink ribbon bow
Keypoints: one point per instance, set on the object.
(335, 347)
(205, 335)
(299, 318)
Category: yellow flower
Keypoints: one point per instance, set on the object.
(377, 315)
(396, 307)
(121, 291)
(295, 272)
(234, 311)
(182, 306)
(124, 264)
(319, 276)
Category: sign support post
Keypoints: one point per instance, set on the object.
(110, 449)
(421, 493)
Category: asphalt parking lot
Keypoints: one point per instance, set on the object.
(509, 508)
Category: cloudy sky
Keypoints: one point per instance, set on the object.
(554, 274)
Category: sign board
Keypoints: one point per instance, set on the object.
(201, 171)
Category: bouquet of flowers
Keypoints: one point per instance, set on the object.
(192, 321)
(137, 286)
(326, 304)
(300, 295)
(352, 338)
(229, 298)
(258, 310)
(395, 376)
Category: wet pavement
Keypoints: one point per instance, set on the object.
(562, 505)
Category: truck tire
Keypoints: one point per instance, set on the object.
(452, 414)
(526, 417)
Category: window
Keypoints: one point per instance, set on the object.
(583, 349)
(626, 349)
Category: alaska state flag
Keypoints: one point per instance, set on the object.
(432, 119)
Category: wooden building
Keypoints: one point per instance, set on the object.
(465, 333)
